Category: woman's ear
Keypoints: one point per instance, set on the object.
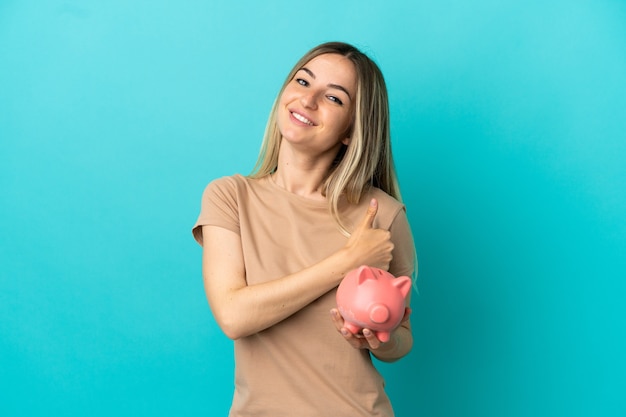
(346, 141)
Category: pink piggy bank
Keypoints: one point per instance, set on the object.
(374, 299)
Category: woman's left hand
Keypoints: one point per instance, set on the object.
(366, 340)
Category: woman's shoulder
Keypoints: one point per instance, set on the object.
(234, 180)
(388, 207)
(385, 201)
(233, 183)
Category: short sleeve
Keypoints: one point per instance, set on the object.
(404, 262)
(219, 207)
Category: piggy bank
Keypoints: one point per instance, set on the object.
(371, 298)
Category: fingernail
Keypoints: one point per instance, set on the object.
(366, 332)
(373, 202)
(344, 332)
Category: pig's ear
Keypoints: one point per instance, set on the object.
(403, 284)
(364, 273)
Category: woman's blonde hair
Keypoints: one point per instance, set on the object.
(367, 160)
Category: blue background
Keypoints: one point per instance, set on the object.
(509, 128)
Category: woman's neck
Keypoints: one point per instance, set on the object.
(305, 183)
(300, 174)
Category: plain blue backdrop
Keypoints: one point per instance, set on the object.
(509, 129)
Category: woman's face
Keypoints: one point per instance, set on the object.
(316, 107)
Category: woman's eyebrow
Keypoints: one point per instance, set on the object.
(337, 86)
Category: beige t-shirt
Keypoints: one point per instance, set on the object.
(301, 366)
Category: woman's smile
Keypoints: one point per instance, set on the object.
(299, 117)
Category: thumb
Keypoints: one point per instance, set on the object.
(372, 209)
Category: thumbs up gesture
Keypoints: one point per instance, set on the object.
(370, 246)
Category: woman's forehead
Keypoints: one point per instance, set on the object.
(334, 69)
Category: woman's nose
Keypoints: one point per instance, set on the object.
(309, 100)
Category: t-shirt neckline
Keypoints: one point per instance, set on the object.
(292, 196)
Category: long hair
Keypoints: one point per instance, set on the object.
(367, 160)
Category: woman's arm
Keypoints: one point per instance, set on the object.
(241, 309)
(403, 264)
(400, 343)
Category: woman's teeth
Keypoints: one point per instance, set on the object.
(302, 118)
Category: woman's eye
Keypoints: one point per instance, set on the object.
(302, 82)
(335, 99)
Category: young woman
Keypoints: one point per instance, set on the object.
(322, 200)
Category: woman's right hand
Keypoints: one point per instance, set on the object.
(368, 245)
